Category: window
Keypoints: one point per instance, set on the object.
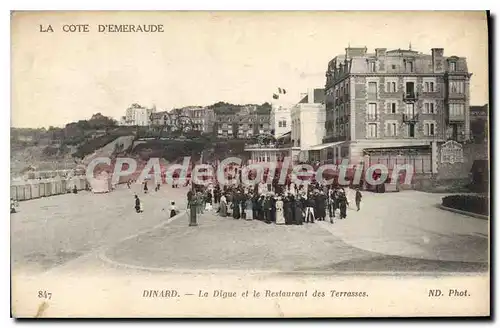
(372, 110)
(411, 130)
(372, 130)
(371, 66)
(410, 109)
(392, 107)
(456, 110)
(393, 66)
(392, 129)
(429, 128)
(284, 124)
(457, 87)
(409, 66)
(279, 124)
(391, 87)
(372, 89)
(453, 66)
(410, 88)
(341, 129)
(429, 108)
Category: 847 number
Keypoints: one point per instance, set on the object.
(44, 294)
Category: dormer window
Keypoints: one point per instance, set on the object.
(453, 66)
(371, 66)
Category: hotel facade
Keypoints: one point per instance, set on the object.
(397, 104)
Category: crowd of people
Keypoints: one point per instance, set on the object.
(289, 206)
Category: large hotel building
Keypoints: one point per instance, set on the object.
(399, 103)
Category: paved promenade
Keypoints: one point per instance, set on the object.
(414, 236)
(410, 224)
(396, 232)
(51, 231)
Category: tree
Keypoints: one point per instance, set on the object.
(99, 121)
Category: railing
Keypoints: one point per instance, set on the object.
(410, 96)
(456, 118)
(254, 146)
(410, 118)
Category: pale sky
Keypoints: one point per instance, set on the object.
(205, 57)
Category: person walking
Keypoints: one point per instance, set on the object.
(358, 198)
(145, 187)
(138, 207)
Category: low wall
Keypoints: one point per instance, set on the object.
(31, 189)
(472, 152)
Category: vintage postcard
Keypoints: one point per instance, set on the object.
(249, 164)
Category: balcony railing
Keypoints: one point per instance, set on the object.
(410, 118)
(410, 96)
(456, 118)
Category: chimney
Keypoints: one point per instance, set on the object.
(355, 52)
(380, 52)
(437, 59)
(310, 96)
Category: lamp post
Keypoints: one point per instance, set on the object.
(192, 205)
(192, 208)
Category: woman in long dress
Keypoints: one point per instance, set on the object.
(223, 206)
(208, 201)
(249, 208)
(298, 216)
(236, 207)
(280, 218)
(287, 209)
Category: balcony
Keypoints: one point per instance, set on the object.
(456, 95)
(410, 96)
(410, 118)
(456, 118)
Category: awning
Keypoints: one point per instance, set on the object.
(289, 133)
(325, 145)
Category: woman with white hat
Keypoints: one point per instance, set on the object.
(280, 218)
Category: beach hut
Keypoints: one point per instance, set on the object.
(101, 183)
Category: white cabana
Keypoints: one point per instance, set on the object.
(101, 183)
